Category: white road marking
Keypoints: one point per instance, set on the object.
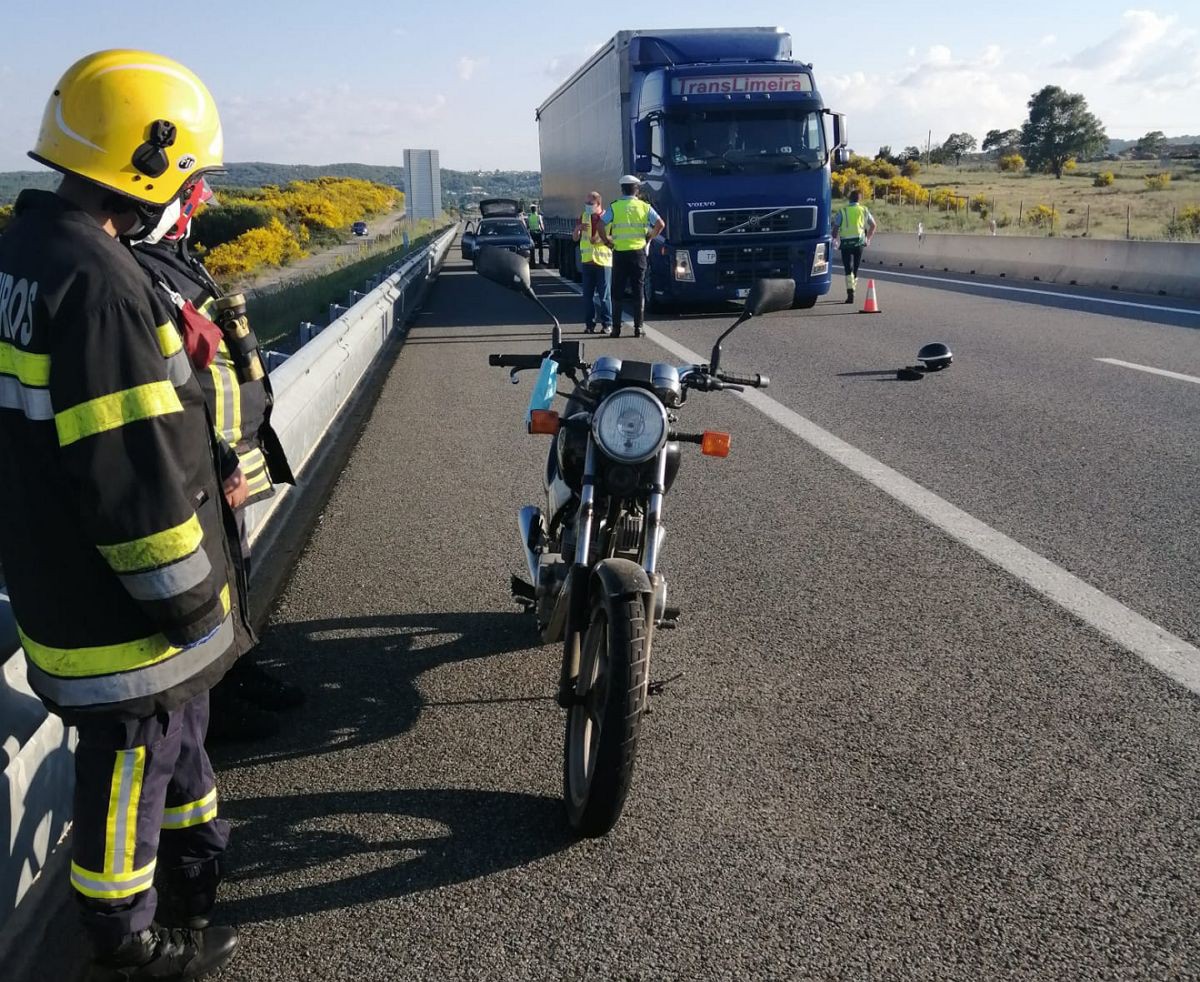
(1171, 655)
(1153, 371)
(1040, 293)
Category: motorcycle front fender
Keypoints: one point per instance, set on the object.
(620, 579)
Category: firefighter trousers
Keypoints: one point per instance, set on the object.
(145, 803)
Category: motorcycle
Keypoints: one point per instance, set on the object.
(594, 552)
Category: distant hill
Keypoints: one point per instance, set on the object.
(525, 184)
(1116, 146)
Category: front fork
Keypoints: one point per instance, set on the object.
(579, 580)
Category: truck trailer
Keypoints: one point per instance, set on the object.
(728, 134)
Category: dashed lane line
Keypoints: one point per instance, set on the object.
(1153, 371)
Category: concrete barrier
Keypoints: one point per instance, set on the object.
(1162, 268)
(311, 388)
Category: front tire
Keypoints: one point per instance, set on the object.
(804, 303)
(603, 726)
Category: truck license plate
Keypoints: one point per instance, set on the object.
(706, 257)
(743, 292)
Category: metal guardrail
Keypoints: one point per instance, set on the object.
(312, 388)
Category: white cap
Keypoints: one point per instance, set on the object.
(628, 179)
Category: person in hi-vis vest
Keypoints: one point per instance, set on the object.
(853, 228)
(537, 230)
(630, 225)
(596, 261)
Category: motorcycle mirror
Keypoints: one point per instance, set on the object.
(768, 296)
(506, 268)
(935, 356)
(512, 270)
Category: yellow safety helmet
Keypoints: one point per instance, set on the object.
(133, 121)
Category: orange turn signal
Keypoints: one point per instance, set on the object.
(543, 421)
(715, 444)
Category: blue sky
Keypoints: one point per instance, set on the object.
(319, 82)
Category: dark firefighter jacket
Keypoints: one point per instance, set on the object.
(114, 532)
(241, 406)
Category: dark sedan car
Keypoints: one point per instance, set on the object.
(497, 233)
(500, 226)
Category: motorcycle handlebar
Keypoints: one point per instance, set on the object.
(515, 361)
(757, 381)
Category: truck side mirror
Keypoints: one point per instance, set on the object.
(841, 156)
(641, 139)
(840, 136)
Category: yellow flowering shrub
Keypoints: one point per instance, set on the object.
(1011, 163)
(1104, 179)
(1040, 215)
(908, 191)
(1158, 182)
(271, 245)
(6, 214)
(326, 203)
(847, 180)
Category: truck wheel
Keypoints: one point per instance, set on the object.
(804, 303)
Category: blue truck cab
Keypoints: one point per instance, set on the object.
(729, 135)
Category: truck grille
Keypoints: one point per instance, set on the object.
(742, 265)
(753, 221)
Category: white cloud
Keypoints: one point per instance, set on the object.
(328, 125)
(467, 67)
(1048, 40)
(941, 93)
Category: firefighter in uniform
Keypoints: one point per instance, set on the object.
(238, 392)
(118, 543)
(630, 224)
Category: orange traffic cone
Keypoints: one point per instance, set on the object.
(871, 305)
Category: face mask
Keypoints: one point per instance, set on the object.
(170, 217)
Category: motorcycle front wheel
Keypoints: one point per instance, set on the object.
(603, 724)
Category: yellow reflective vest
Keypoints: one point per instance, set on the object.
(592, 252)
(630, 224)
(853, 227)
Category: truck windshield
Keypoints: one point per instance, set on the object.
(761, 139)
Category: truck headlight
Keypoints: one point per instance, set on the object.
(630, 426)
(683, 266)
(820, 264)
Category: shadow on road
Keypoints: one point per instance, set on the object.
(303, 858)
(360, 675)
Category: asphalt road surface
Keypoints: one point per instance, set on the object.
(887, 757)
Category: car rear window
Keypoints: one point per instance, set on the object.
(492, 227)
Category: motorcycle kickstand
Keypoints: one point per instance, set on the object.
(658, 687)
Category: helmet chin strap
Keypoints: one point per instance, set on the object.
(168, 219)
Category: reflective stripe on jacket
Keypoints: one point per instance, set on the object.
(534, 222)
(630, 225)
(113, 527)
(240, 407)
(592, 252)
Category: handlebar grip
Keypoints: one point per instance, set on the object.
(515, 361)
(756, 381)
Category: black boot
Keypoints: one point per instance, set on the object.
(187, 896)
(166, 955)
(253, 684)
(849, 296)
(233, 720)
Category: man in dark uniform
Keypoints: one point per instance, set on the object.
(119, 549)
(238, 392)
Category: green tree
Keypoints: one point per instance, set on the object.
(885, 153)
(1002, 141)
(1151, 145)
(1059, 127)
(957, 144)
(911, 153)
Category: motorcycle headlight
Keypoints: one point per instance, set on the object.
(630, 426)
